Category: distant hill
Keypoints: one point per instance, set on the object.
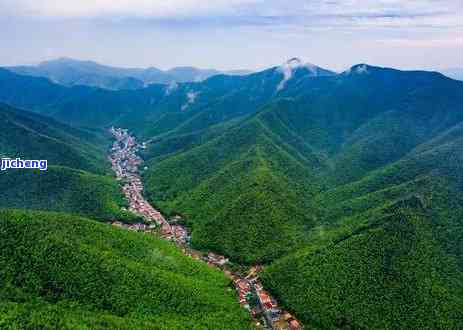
(215, 98)
(70, 72)
(64, 272)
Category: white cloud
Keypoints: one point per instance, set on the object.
(171, 88)
(423, 43)
(288, 68)
(191, 98)
(168, 33)
(342, 15)
(143, 8)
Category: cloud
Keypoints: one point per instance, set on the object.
(422, 43)
(315, 14)
(126, 8)
(191, 98)
(288, 68)
(171, 88)
(234, 33)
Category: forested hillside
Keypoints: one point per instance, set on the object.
(59, 271)
(153, 110)
(386, 252)
(346, 187)
(78, 177)
(356, 176)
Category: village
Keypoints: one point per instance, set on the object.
(125, 161)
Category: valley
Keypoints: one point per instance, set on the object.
(125, 161)
(335, 197)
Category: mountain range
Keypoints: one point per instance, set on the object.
(71, 72)
(347, 188)
(61, 267)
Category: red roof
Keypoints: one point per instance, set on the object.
(294, 325)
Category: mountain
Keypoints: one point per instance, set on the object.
(215, 98)
(349, 186)
(455, 73)
(77, 179)
(298, 145)
(346, 187)
(26, 134)
(60, 271)
(394, 250)
(70, 72)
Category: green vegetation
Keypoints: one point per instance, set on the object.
(30, 136)
(396, 265)
(59, 271)
(76, 180)
(65, 190)
(347, 187)
(386, 253)
(393, 275)
(226, 195)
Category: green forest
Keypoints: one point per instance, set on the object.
(61, 271)
(347, 188)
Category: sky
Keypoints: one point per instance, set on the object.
(234, 34)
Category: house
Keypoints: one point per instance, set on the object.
(294, 325)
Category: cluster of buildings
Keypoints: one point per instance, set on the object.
(125, 163)
(252, 296)
(261, 305)
(245, 294)
(217, 260)
(141, 227)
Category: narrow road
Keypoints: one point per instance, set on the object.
(125, 162)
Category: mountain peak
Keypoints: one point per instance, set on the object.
(294, 61)
(289, 68)
(360, 69)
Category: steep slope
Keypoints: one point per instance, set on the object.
(65, 190)
(348, 185)
(34, 93)
(65, 272)
(386, 253)
(240, 191)
(25, 134)
(182, 108)
(394, 275)
(76, 180)
(333, 130)
(356, 178)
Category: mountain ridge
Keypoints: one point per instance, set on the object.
(358, 173)
(71, 72)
